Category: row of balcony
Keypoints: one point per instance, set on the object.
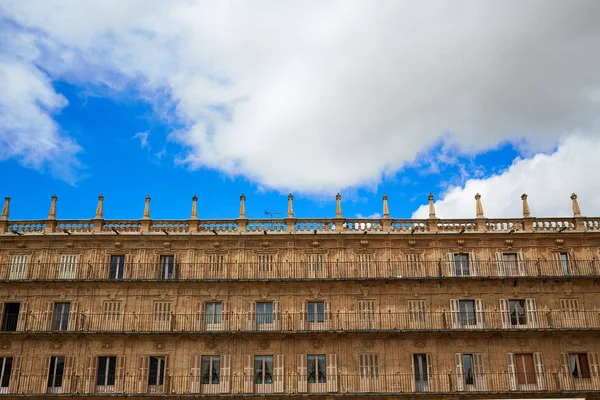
(295, 271)
(372, 382)
(419, 321)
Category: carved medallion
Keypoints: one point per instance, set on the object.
(211, 344)
(316, 343)
(264, 344)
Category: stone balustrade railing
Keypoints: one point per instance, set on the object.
(300, 225)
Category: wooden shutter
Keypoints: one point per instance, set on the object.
(480, 313)
(252, 316)
(195, 369)
(18, 267)
(278, 371)
(451, 266)
(413, 381)
(68, 376)
(276, 315)
(68, 266)
(593, 365)
(455, 313)
(225, 373)
(540, 373)
(143, 366)
(167, 374)
(564, 366)
(23, 316)
(303, 315)
(460, 380)
(44, 380)
(302, 374)
(73, 324)
(332, 374)
(512, 376)
(505, 313)
(500, 263)
(473, 264)
(479, 371)
(90, 374)
(13, 385)
(532, 317)
(47, 323)
(225, 314)
(328, 317)
(521, 264)
(248, 374)
(430, 377)
(129, 269)
(120, 375)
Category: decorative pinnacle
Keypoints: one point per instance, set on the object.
(147, 208)
(478, 206)
(386, 209)
(526, 212)
(576, 210)
(338, 206)
(242, 207)
(194, 214)
(52, 212)
(290, 212)
(100, 207)
(431, 206)
(6, 209)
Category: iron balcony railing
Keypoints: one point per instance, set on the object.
(232, 384)
(339, 321)
(298, 271)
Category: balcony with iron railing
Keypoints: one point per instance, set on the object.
(299, 271)
(517, 384)
(302, 322)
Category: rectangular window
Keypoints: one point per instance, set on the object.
(525, 369)
(364, 263)
(316, 312)
(112, 310)
(264, 313)
(213, 312)
(57, 369)
(211, 370)
(569, 308)
(67, 269)
(369, 365)
(162, 311)
(265, 262)
(461, 265)
(117, 266)
(420, 369)
(414, 264)
(216, 262)
(263, 369)
(105, 373)
(416, 310)
(156, 375)
(167, 266)
(60, 321)
(468, 371)
(517, 311)
(467, 312)
(316, 262)
(366, 310)
(18, 267)
(510, 264)
(5, 370)
(10, 316)
(316, 368)
(564, 262)
(579, 366)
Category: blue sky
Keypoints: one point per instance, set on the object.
(102, 99)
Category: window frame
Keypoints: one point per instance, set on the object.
(214, 370)
(263, 362)
(320, 374)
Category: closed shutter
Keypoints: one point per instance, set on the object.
(252, 316)
(532, 317)
(68, 376)
(593, 364)
(500, 263)
(328, 316)
(512, 377)
(479, 371)
(451, 266)
(303, 315)
(278, 370)
(248, 374)
(90, 374)
(73, 324)
(276, 315)
(413, 381)
(430, 377)
(474, 264)
(44, 380)
(67, 268)
(225, 373)
(505, 313)
(460, 379)
(455, 313)
(167, 383)
(22, 322)
(48, 317)
(128, 268)
(540, 373)
(521, 264)
(302, 374)
(18, 267)
(225, 316)
(480, 313)
(120, 375)
(332, 374)
(143, 365)
(195, 373)
(564, 365)
(13, 385)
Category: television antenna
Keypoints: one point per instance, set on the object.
(271, 213)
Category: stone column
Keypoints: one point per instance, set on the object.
(433, 220)
(527, 220)
(386, 223)
(98, 220)
(579, 221)
(479, 213)
(193, 221)
(338, 206)
(242, 221)
(4, 216)
(51, 220)
(290, 221)
(146, 221)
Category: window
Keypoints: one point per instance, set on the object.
(569, 308)
(18, 267)
(316, 368)
(213, 312)
(415, 264)
(211, 366)
(60, 321)
(369, 365)
(156, 375)
(216, 262)
(67, 269)
(525, 369)
(162, 311)
(112, 314)
(468, 372)
(5, 370)
(56, 372)
(265, 262)
(10, 316)
(517, 312)
(416, 310)
(461, 265)
(564, 262)
(167, 265)
(366, 310)
(316, 262)
(467, 312)
(316, 312)
(264, 313)
(420, 368)
(364, 263)
(579, 366)
(117, 265)
(105, 375)
(263, 369)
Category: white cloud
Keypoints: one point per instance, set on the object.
(318, 96)
(143, 138)
(548, 180)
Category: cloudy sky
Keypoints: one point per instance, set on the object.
(190, 97)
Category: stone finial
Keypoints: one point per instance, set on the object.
(386, 209)
(100, 208)
(290, 213)
(478, 206)
(147, 208)
(6, 209)
(576, 210)
(52, 212)
(194, 214)
(431, 206)
(242, 206)
(338, 205)
(526, 213)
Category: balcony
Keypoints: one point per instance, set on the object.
(541, 383)
(305, 271)
(340, 321)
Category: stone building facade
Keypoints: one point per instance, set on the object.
(323, 308)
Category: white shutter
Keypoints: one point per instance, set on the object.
(532, 317)
(120, 371)
(539, 371)
(413, 382)
(480, 313)
(68, 374)
(18, 267)
(278, 371)
(593, 363)
(90, 374)
(276, 316)
(328, 319)
(460, 379)
(67, 268)
(195, 369)
(302, 374)
(332, 374)
(455, 313)
(142, 376)
(248, 374)
(474, 264)
(252, 316)
(73, 324)
(225, 385)
(512, 376)
(521, 264)
(430, 377)
(479, 371)
(451, 266)
(303, 316)
(505, 313)
(500, 262)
